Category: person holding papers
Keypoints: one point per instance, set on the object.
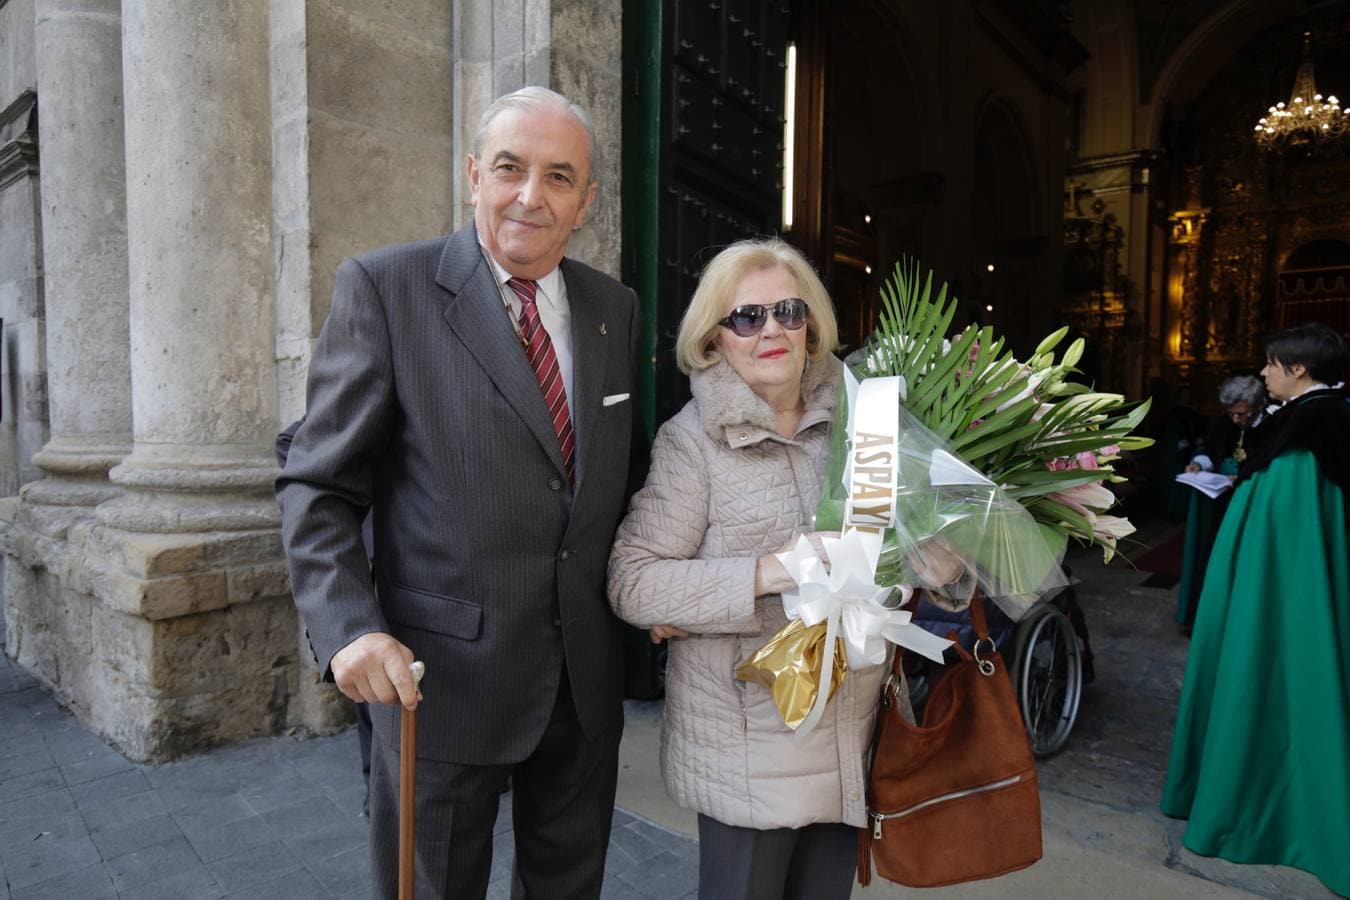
(1243, 398)
(1230, 439)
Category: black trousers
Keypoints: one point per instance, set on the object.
(817, 862)
(562, 805)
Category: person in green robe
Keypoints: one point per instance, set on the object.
(1260, 760)
(1243, 398)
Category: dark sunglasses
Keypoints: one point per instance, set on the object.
(749, 319)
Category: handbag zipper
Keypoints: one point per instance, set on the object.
(878, 818)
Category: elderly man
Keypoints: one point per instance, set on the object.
(475, 393)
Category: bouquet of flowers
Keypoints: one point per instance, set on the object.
(950, 449)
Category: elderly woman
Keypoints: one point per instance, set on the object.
(735, 477)
(1232, 435)
(1243, 398)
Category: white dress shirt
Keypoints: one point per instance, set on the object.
(554, 314)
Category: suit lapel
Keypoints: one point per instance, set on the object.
(474, 312)
(591, 337)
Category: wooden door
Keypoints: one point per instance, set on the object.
(703, 132)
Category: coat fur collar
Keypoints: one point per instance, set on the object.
(726, 402)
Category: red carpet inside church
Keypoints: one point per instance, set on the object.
(1164, 558)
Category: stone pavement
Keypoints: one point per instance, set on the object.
(274, 817)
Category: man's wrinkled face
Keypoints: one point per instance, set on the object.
(1241, 413)
(531, 187)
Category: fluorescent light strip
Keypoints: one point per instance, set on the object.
(789, 132)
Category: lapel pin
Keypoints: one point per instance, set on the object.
(602, 328)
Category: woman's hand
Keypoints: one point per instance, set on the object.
(659, 633)
(818, 545)
(1192, 468)
(771, 577)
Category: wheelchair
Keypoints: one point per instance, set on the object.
(1047, 653)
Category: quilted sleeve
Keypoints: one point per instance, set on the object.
(655, 577)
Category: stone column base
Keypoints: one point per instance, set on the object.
(163, 644)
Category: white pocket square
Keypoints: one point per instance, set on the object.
(611, 399)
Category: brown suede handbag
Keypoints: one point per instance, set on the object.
(954, 799)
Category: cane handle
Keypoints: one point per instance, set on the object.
(418, 669)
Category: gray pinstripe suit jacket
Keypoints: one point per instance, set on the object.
(422, 406)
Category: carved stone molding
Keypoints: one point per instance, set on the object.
(18, 130)
(18, 159)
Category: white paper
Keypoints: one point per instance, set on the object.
(1211, 484)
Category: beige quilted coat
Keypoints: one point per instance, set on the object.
(724, 489)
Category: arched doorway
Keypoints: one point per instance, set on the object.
(865, 173)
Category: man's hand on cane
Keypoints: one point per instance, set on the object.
(374, 669)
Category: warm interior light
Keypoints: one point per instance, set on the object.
(989, 267)
(789, 131)
(867, 218)
(867, 269)
(989, 307)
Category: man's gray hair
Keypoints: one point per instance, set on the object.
(1243, 389)
(530, 98)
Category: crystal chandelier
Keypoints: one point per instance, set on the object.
(1308, 116)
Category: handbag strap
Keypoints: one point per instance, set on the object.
(978, 622)
(977, 618)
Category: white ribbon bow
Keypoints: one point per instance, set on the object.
(847, 598)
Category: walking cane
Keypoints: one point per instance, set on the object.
(407, 792)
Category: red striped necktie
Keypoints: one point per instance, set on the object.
(539, 351)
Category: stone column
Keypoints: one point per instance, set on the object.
(198, 139)
(79, 75)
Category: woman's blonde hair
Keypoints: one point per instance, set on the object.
(695, 345)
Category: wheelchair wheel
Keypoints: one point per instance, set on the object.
(1048, 677)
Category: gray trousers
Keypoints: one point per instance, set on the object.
(817, 862)
(562, 805)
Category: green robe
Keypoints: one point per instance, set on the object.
(1260, 759)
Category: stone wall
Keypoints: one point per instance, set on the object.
(162, 644)
(362, 151)
(571, 46)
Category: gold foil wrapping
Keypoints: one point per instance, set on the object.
(789, 666)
